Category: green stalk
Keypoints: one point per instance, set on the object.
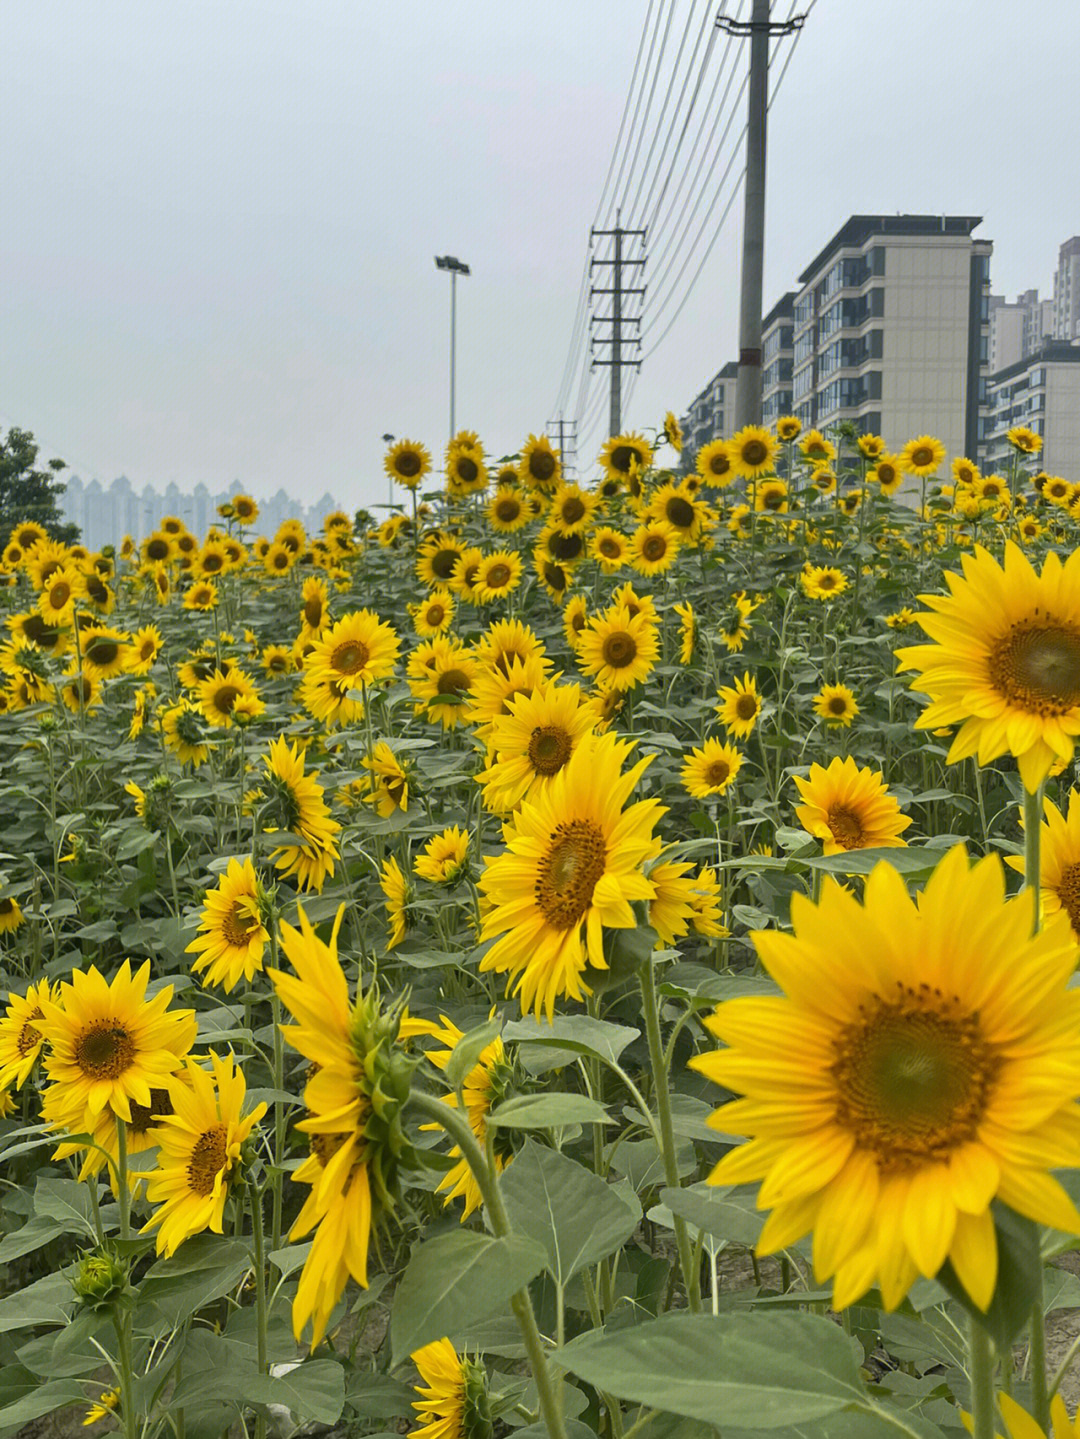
(279, 1113)
(981, 1360)
(123, 1192)
(457, 1127)
(258, 1259)
(651, 1011)
(1033, 806)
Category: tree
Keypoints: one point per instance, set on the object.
(27, 493)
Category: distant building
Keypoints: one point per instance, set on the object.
(777, 359)
(105, 516)
(1067, 292)
(1041, 391)
(710, 414)
(1018, 328)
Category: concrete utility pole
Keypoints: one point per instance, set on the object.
(760, 29)
(617, 319)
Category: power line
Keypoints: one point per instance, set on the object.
(626, 111)
(618, 189)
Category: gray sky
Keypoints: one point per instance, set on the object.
(219, 219)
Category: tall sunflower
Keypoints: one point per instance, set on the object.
(653, 547)
(1059, 863)
(534, 741)
(923, 456)
(230, 947)
(710, 770)
(359, 648)
(104, 651)
(199, 1157)
(849, 808)
(436, 558)
(408, 463)
(314, 606)
(498, 574)
(387, 782)
(398, 892)
(434, 615)
(1005, 665)
(444, 857)
(220, 693)
(506, 511)
(183, 734)
(572, 510)
(740, 706)
(507, 640)
(822, 582)
(610, 548)
(540, 466)
(678, 506)
(354, 1099)
(836, 705)
(440, 675)
(108, 1044)
(753, 452)
(921, 1062)
(571, 868)
(622, 455)
(619, 648)
(714, 464)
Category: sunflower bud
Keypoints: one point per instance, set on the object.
(101, 1280)
(476, 1416)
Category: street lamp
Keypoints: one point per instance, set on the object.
(389, 440)
(456, 267)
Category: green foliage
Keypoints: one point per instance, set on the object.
(29, 493)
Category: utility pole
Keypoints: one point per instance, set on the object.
(760, 29)
(456, 268)
(563, 435)
(617, 319)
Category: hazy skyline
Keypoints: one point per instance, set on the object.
(221, 220)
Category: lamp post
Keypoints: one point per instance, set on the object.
(389, 440)
(456, 267)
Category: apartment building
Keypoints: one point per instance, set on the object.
(1067, 292)
(1018, 328)
(891, 330)
(711, 413)
(1041, 391)
(777, 359)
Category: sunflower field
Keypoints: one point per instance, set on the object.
(565, 960)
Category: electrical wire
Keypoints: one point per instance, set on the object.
(619, 187)
(626, 110)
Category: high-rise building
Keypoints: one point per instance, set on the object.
(711, 413)
(1042, 392)
(1018, 328)
(891, 330)
(777, 359)
(1067, 292)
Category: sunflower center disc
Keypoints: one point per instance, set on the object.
(569, 872)
(28, 1038)
(142, 1118)
(717, 772)
(680, 512)
(923, 455)
(212, 563)
(507, 511)
(719, 464)
(157, 550)
(1068, 891)
(435, 615)
(619, 650)
(350, 657)
(452, 682)
(102, 652)
(746, 706)
(408, 464)
(467, 470)
(60, 595)
(104, 1050)
(913, 1077)
(225, 698)
(313, 613)
(443, 562)
(555, 576)
(773, 499)
(573, 510)
(238, 924)
(1037, 667)
(845, 827)
(566, 547)
(755, 452)
(826, 582)
(622, 457)
(207, 1160)
(498, 576)
(541, 465)
(610, 549)
(654, 548)
(549, 749)
(838, 705)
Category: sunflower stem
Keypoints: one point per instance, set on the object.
(1033, 805)
(651, 1009)
(122, 1324)
(258, 1259)
(279, 1113)
(981, 1373)
(457, 1127)
(123, 1193)
(1040, 1392)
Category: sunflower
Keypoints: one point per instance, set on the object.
(610, 548)
(202, 596)
(484, 1085)
(822, 582)
(292, 535)
(398, 893)
(849, 808)
(687, 632)
(463, 581)
(772, 496)
(564, 549)
(964, 471)
(20, 1039)
(103, 1406)
(888, 473)
(753, 452)
(279, 559)
(211, 561)
(571, 868)
(835, 704)
(407, 463)
(29, 625)
(871, 447)
(678, 506)
(506, 511)
(28, 533)
(627, 598)
(540, 466)
(556, 579)
(740, 706)
(104, 651)
(711, 770)
(222, 691)
(466, 473)
(388, 781)
(1058, 491)
(145, 647)
(359, 649)
(497, 574)
(1059, 863)
(733, 627)
(183, 734)
(444, 857)
(80, 692)
(440, 674)
(620, 649)
(788, 428)
(1027, 441)
(314, 606)
(672, 432)
(896, 1075)
(158, 548)
(199, 1157)
(624, 455)
(108, 1044)
(816, 449)
(653, 547)
(714, 464)
(901, 619)
(739, 521)
(575, 617)
(434, 615)
(1005, 665)
(436, 558)
(301, 810)
(56, 602)
(492, 691)
(245, 510)
(507, 640)
(923, 456)
(572, 510)
(823, 480)
(533, 742)
(278, 660)
(231, 947)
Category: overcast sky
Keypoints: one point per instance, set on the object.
(220, 219)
